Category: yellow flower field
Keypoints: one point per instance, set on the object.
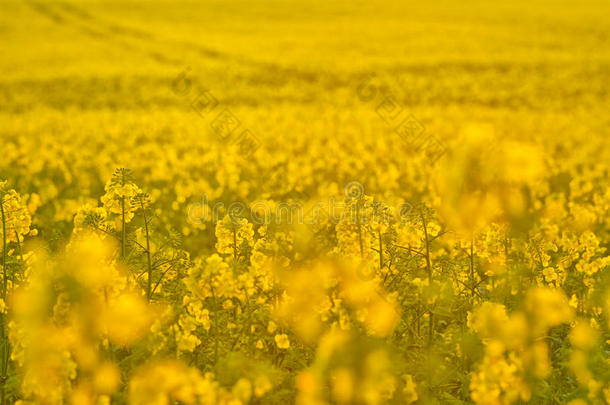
(309, 202)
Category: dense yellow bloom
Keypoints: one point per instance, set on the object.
(107, 378)
(119, 198)
(126, 319)
(513, 348)
(489, 321)
(310, 202)
(16, 219)
(548, 307)
(231, 233)
(165, 382)
(498, 383)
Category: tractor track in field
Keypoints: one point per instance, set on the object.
(81, 21)
(114, 28)
(136, 40)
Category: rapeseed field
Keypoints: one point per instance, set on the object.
(304, 201)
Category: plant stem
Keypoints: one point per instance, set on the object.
(380, 251)
(3, 332)
(359, 229)
(215, 315)
(149, 281)
(19, 250)
(4, 273)
(123, 233)
(429, 268)
(234, 248)
(472, 280)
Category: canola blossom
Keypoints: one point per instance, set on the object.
(304, 202)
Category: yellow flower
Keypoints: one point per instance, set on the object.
(120, 191)
(282, 341)
(107, 378)
(489, 320)
(271, 327)
(14, 215)
(549, 307)
(232, 233)
(583, 336)
(242, 390)
(126, 319)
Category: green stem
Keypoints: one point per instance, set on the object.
(20, 251)
(359, 230)
(3, 333)
(429, 268)
(123, 233)
(215, 315)
(234, 248)
(4, 273)
(472, 279)
(380, 251)
(149, 281)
